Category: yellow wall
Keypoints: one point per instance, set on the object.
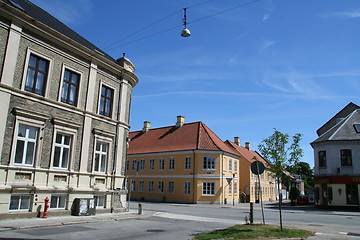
(268, 185)
(196, 175)
(248, 182)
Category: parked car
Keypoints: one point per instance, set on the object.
(302, 199)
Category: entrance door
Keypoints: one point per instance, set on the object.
(324, 195)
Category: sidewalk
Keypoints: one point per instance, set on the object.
(23, 223)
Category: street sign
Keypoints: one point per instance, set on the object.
(257, 167)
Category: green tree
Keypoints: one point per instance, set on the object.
(277, 152)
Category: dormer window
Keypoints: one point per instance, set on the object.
(357, 127)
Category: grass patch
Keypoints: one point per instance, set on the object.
(254, 231)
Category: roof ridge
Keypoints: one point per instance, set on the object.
(198, 136)
(205, 128)
(341, 123)
(164, 127)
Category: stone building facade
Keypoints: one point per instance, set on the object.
(64, 118)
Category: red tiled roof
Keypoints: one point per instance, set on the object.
(190, 136)
(246, 153)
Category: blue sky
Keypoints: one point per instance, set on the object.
(248, 67)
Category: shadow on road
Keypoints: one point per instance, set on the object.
(310, 207)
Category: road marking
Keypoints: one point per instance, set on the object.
(196, 218)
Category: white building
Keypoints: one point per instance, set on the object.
(337, 160)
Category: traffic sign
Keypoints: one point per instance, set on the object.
(257, 167)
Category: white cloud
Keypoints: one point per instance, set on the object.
(294, 82)
(348, 14)
(265, 45)
(67, 11)
(265, 17)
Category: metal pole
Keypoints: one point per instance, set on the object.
(260, 193)
(233, 188)
(251, 215)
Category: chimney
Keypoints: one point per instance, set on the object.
(180, 121)
(146, 126)
(237, 141)
(247, 145)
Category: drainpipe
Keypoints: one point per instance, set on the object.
(222, 178)
(193, 192)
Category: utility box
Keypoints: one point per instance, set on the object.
(83, 207)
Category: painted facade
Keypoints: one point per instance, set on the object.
(336, 160)
(64, 116)
(184, 163)
(249, 182)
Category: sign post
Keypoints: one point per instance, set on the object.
(258, 168)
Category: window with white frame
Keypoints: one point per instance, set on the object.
(70, 87)
(99, 201)
(230, 165)
(230, 188)
(101, 156)
(151, 186)
(142, 165)
(151, 164)
(161, 164)
(141, 186)
(19, 203)
(209, 163)
(187, 163)
(208, 189)
(133, 186)
(58, 201)
(106, 101)
(171, 163)
(37, 74)
(161, 187)
(134, 165)
(187, 189)
(235, 188)
(26, 145)
(235, 166)
(62, 150)
(171, 187)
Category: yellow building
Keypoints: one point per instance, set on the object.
(248, 181)
(185, 163)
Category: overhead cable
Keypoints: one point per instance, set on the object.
(117, 43)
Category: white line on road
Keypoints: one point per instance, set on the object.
(197, 218)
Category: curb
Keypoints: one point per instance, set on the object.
(80, 221)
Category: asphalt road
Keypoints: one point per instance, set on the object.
(176, 221)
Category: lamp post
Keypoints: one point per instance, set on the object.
(233, 191)
(185, 32)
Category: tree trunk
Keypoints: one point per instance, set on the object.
(280, 201)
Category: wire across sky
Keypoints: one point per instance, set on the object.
(120, 42)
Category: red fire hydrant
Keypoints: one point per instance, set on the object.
(46, 208)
